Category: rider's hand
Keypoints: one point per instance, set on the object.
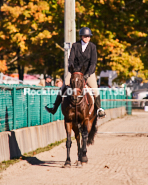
(86, 76)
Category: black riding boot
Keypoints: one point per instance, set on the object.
(100, 111)
(57, 101)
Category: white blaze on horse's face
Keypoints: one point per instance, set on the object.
(76, 79)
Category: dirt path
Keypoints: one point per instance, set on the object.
(114, 159)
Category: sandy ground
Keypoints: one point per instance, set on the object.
(118, 157)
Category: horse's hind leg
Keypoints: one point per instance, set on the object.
(84, 138)
(68, 127)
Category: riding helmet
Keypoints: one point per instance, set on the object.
(85, 31)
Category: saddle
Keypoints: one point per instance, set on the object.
(89, 91)
(89, 95)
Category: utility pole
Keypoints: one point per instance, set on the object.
(69, 31)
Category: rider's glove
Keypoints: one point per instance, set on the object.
(86, 76)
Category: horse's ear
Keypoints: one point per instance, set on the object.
(83, 69)
(71, 68)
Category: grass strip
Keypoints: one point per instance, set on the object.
(5, 164)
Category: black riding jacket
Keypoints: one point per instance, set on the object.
(88, 58)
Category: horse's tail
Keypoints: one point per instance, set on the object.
(93, 132)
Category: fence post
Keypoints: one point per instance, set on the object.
(28, 109)
(41, 107)
(129, 105)
(14, 108)
(124, 94)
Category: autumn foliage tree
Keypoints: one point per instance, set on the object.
(120, 33)
(31, 29)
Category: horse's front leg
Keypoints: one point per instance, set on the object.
(68, 127)
(77, 137)
(84, 139)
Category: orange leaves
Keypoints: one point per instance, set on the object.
(43, 5)
(37, 10)
(140, 34)
(34, 26)
(39, 39)
(12, 28)
(102, 1)
(117, 58)
(2, 35)
(111, 46)
(60, 2)
(135, 34)
(49, 19)
(125, 63)
(29, 19)
(80, 9)
(13, 11)
(19, 39)
(111, 20)
(39, 7)
(40, 17)
(3, 66)
(31, 30)
(32, 7)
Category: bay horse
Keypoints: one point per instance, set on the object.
(80, 116)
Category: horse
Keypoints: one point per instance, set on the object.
(80, 116)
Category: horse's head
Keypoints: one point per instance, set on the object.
(77, 83)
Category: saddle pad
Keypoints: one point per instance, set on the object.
(89, 90)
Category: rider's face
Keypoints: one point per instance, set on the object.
(86, 39)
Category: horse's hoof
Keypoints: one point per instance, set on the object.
(84, 159)
(79, 164)
(67, 164)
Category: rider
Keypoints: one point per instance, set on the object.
(82, 53)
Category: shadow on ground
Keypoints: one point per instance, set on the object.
(36, 161)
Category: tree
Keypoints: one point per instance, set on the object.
(120, 32)
(30, 30)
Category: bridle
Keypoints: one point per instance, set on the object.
(78, 89)
(77, 104)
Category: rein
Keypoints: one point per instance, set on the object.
(77, 104)
(78, 89)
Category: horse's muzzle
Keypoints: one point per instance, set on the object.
(75, 98)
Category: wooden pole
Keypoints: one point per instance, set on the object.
(69, 31)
